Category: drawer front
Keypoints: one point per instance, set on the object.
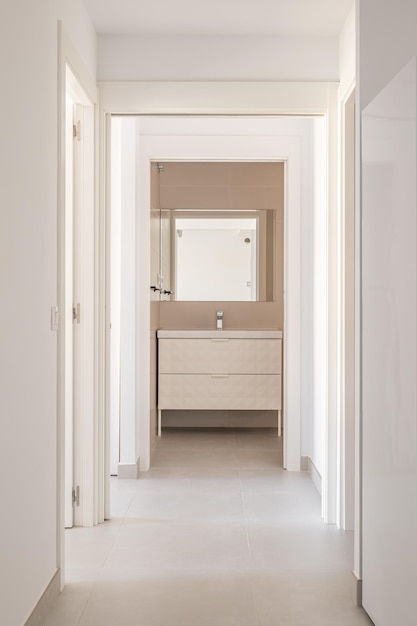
(239, 391)
(220, 356)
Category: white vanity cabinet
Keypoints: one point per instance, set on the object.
(202, 370)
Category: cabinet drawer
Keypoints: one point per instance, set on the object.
(203, 391)
(220, 356)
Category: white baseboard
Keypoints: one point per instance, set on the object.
(315, 475)
(357, 590)
(44, 605)
(129, 470)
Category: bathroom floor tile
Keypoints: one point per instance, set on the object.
(258, 458)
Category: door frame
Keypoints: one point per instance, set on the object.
(234, 99)
(229, 148)
(85, 92)
(348, 324)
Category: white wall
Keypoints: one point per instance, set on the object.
(347, 53)
(233, 58)
(387, 39)
(28, 289)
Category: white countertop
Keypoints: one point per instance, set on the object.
(219, 334)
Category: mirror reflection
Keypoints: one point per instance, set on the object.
(218, 255)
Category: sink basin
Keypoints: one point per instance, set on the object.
(219, 334)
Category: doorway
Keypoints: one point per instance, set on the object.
(222, 139)
(221, 247)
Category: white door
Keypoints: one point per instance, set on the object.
(78, 315)
(389, 503)
(73, 337)
(68, 313)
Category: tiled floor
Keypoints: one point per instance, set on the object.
(216, 534)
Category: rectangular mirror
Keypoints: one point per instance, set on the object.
(218, 255)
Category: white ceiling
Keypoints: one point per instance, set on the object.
(286, 18)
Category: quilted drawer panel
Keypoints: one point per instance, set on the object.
(194, 391)
(220, 356)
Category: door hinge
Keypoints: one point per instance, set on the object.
(76, 130)
(76, 496)
(54, 318)
(76, 313)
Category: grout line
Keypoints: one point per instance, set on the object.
(249, 548)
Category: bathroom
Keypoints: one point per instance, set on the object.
(219, 195)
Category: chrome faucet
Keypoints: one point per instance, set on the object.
(219, 317)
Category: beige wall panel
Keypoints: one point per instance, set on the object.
(195, 173)
(254, 198)
(255, 174)
(237, 315)
(195, 197)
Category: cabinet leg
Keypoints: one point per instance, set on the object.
(159, 422)
(279, 423)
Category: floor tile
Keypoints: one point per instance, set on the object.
(195, 598)
(189, 480)
(260, 458)
(215, 534)
(273, 480)
(197, 438)
(266, 438)
(306, 598)
(87, 556)
(205, 507)
(68, 608)
(313, 548)
(284, 509)
(173, 546)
